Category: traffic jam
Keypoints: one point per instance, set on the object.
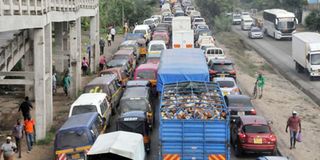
(202, 112)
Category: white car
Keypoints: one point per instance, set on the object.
(156, 46)
(227, 85)
(205, 46)
(204, 40)
(214, 53)
(159, 17)
(197, 21)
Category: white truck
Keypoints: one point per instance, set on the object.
(182, 34)
(306, 53)
(246, 22)
(236, 19)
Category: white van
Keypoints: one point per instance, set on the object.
(214, 53)
(156, 46)
(118, 145)
(246, 22)
(92, 102)
(145, 29)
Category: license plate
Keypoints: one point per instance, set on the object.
(257, 140)
(241, 114)
(75, 156)
(222, 75)
(225, 93)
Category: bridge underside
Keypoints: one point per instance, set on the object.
(29, 39)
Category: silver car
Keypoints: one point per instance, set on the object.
(255, 32)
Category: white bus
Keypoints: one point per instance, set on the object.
(279, 23)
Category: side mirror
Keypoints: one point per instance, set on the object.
(233, 121)
(270, 122)
(276, 21)
(296, 20)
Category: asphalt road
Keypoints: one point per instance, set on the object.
(278, 54)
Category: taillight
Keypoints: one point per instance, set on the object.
(176, 46)
(189, 46)
(232, 72)
(253, 111)
(242, 137)
(212, 71)
(273, 138)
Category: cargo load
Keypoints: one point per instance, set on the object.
(194, 122)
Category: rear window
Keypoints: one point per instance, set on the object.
(134, 105)
(72, 139)
(83, 109)
(159, 37)
(167, 19)
(198, 20)
(149, 22)
(156, 47)
(226, 84)
(256, 129)
(146, 75)
(222, 67)
(120, 57)
(140, 31)
(214, 51)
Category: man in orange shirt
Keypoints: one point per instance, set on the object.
(29, 130)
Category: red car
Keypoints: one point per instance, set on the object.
(161, 35)
(252, 134)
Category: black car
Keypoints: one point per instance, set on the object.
(239, 105)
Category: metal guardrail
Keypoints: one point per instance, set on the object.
(40, 7)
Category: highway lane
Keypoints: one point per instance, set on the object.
(278, 53)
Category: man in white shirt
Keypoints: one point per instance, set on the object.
(113, 33)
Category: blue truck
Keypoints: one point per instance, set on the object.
(194, 120)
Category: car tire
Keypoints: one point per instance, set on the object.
(237, 150)
(274, 152)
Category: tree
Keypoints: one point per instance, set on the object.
(313, 21)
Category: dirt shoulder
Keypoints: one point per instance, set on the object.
(279, 99)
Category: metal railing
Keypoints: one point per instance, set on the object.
(40, 7)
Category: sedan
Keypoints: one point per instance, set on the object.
(255, 32)
(239, 105)
(227, 85)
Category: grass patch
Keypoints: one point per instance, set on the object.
(49, 138)
(268, 68)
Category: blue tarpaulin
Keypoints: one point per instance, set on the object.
(182, 65)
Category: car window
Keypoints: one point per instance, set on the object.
(83, 109)
(214, 51)
(222, 67)
(103, 106)
(226, 84)
(145, 74)
(133, 105)
(256, 129)
(72, 139)
(156, 47)
(140, 31)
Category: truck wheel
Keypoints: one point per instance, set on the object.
(299, 69)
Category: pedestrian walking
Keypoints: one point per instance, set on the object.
(25, 108)
(102, 44)
(17, 132)
(109, 37)
(84, 66)
(54, 83)
(66, 83)
(125, 28)
(29, 129)
(113, 33)
(102, 62)
(260, 84)
(8, 149)
(294, 125)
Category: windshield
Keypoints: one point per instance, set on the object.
(133, 37)
(145, 74)
(240, 103)
(248, 21)
(133, 105)
(214, 51)
(315, 59)
(156, 47)
(120, 57)
(236, 17)
(167, 19)
(255, 30)
(286, 25)
(159, 37)
(226, 84)
(148, 22)
(256, 129)
(72, 139)
(222, 67)
(83, 109)
(198, 20)
(140, 31)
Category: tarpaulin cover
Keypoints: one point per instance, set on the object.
(182, 65)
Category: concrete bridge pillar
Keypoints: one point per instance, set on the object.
(75, 57)
(42, 45)
(28, 65)
(59, 54)
(94, 42)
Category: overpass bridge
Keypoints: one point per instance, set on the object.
(40, 34)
